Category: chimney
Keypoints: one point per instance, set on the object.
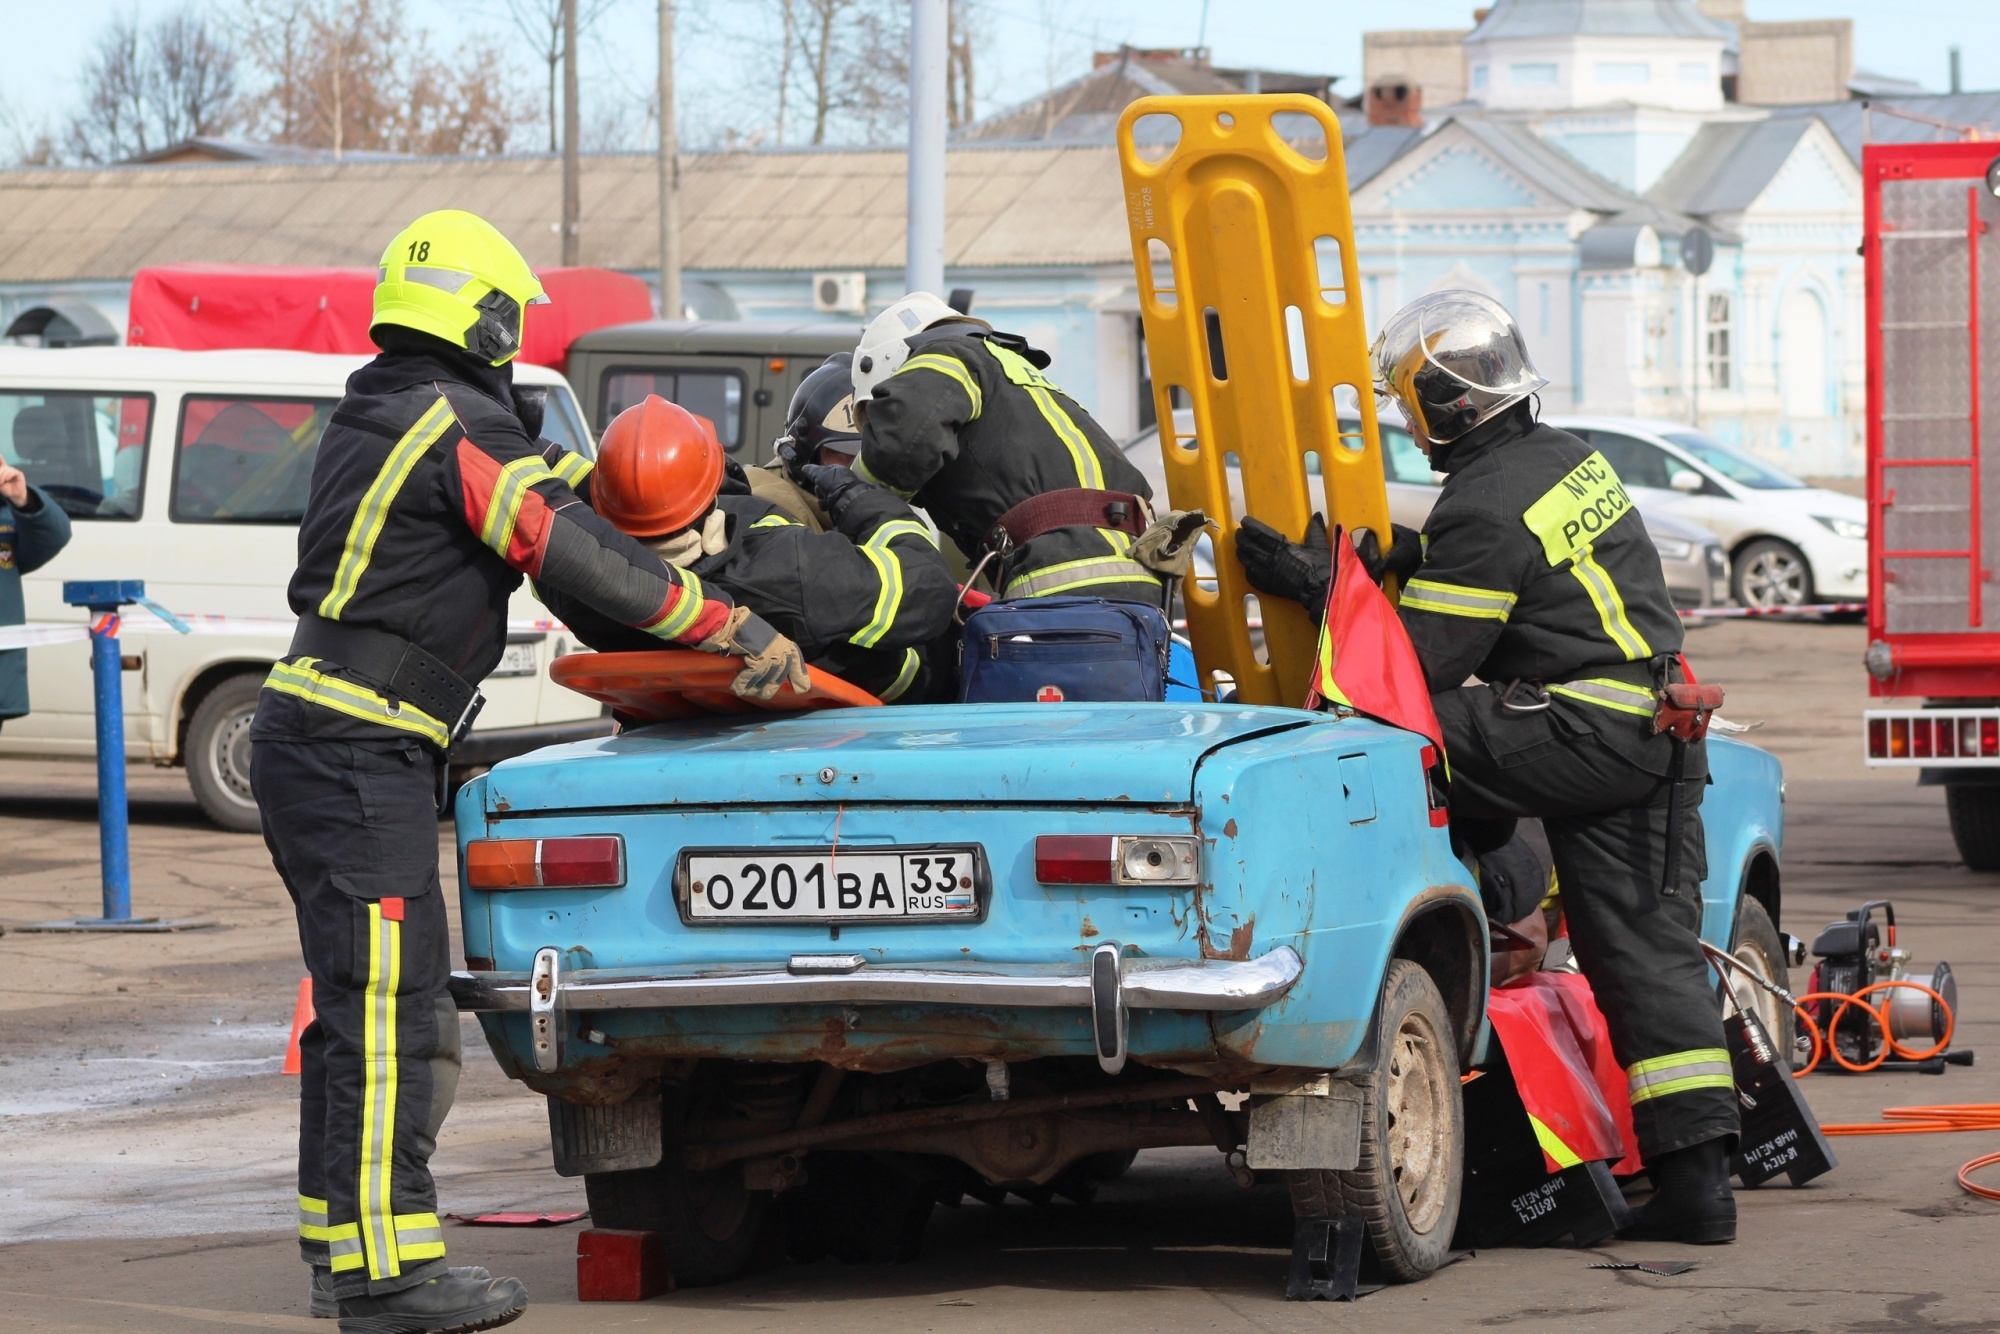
(1394, 100)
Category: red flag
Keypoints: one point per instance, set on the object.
(1560, 1052)
(1366, 660)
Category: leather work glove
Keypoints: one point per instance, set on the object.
(794, 456)
(835, 486)
(769, 659)
(531, 405)
(1405, 556)
(1167, 545)
(1284, 568)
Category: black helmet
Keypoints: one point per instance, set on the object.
(822, 410)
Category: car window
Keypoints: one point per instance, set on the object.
(1637, 462)
(1407, 463)
(246, 460)
(716, 395)
(87, 451)
(563, 424)
(1734, 464)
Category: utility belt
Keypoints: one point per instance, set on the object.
(1644, 689)
(1076, 507)
(402, 671)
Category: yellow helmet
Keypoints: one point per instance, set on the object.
(451, 274)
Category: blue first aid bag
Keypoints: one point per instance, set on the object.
(1051, 650)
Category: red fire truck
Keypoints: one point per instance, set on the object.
(1933, 258)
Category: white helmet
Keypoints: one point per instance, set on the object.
(884, 344)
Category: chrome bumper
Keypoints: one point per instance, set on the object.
(1107, 984)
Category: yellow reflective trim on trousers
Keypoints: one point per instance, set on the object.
(949, 366)
(911, 662)
(1653, 1065)
(300, 679)
(1039, 387)
(1577, 510)
(676, 622)
(1608, 694)
(1684, 1085)
(1485, 604)
(344, 1248)
(1070, 574)
(373, 511)
(312, 1220)
(572, 468)
(1679, 1072)
(503, 507)
(1603, 593)
(419, 1237)
(888, 600)
(860, 467)
(378, 1094)
(1559, 1153)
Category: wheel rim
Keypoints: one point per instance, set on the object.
(1418, 1102)
(1749, 996)
(228, 757)
(1774, 578)
(718, 1203)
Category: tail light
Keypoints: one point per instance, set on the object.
(1117, 859)
(1989, 736)
(1920, 738)
(1878, 738)
(595, 861)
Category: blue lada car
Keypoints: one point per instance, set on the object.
(866, 959)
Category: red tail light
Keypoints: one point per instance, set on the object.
(1989, 736)
(1878, 738)
(1074, 859)
(595, 861)
(1117, 859)
(1947, 738)
(1920, 738)
(1899, 738)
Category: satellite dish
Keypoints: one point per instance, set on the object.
(1697, 250)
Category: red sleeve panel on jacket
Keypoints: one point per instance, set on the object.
(502, 507)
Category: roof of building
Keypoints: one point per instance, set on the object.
(1596, 18)
(1727, 165)
(202, 149)
(803, 210)
(1902, 120)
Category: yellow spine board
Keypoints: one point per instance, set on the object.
(1236, 221)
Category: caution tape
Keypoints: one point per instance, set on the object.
(1773, 613)
(153, 619)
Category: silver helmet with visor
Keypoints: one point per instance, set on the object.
(1452, 360)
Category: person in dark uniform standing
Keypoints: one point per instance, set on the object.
(959, 418)
(33, 529)
(1535, 574)
(432, 496)
(862, 600)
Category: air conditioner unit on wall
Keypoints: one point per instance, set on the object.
(841, 293)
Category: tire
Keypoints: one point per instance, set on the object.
(1408, 1184)
(1975, 825)
(1771, 573)
(1755, 942)
(708, 1222)
(217, 753)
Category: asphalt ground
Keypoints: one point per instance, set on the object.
(146, 1134)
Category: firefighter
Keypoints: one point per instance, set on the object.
(819, 428)
(959, 418)
(431, 497)
(1534, 573)
(862, 600)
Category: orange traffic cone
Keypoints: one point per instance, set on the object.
(302, 1014)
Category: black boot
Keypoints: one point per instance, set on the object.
(444, 1305)
(1692, 1201)
(323, 1305)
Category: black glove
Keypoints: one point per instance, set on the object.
(835, 486)
(531, 405)
(794, 457)
(1296, 570)
(1405, 558)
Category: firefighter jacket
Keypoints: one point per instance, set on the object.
(30, 537)
(969, 427)
(1538, 568)
(861, 601)
(429, 502)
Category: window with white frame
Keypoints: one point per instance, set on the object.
(1624, 71)
(1532, 72)
(1479, 76)
(1715, 340)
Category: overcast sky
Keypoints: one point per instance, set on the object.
(1030, 41)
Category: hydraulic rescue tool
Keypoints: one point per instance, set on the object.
(1859, 957)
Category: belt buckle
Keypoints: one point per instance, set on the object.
(1540, 698)
(466, 716)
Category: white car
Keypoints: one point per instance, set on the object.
(1789, 543)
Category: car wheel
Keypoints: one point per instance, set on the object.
(1757, 946)
(217, 753)
(1771, 573)
(708, 1222)
(1407, 1185)
(1975, 825)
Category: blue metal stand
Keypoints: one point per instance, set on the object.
(105, 598)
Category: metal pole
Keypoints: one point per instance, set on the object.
(572, 201)
(1699, 326)
(106, 670)
(671, 307)
(923, 266)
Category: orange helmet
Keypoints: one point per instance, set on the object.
(658, 469)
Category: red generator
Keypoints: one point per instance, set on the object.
(1932, 244)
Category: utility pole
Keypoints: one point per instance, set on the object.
(670, 175)
(572, 205)
(923, 263)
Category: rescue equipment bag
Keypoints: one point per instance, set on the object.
(1051, 650)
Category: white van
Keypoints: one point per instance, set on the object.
(189, 470)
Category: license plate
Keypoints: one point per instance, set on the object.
(763, 885)
(516, 660)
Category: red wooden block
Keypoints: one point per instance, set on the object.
(615, 1265)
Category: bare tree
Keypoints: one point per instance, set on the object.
(541, 22)
(145, 89)
(966, 30)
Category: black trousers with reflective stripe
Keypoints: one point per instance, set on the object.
(1606, 820)
(353, 830)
